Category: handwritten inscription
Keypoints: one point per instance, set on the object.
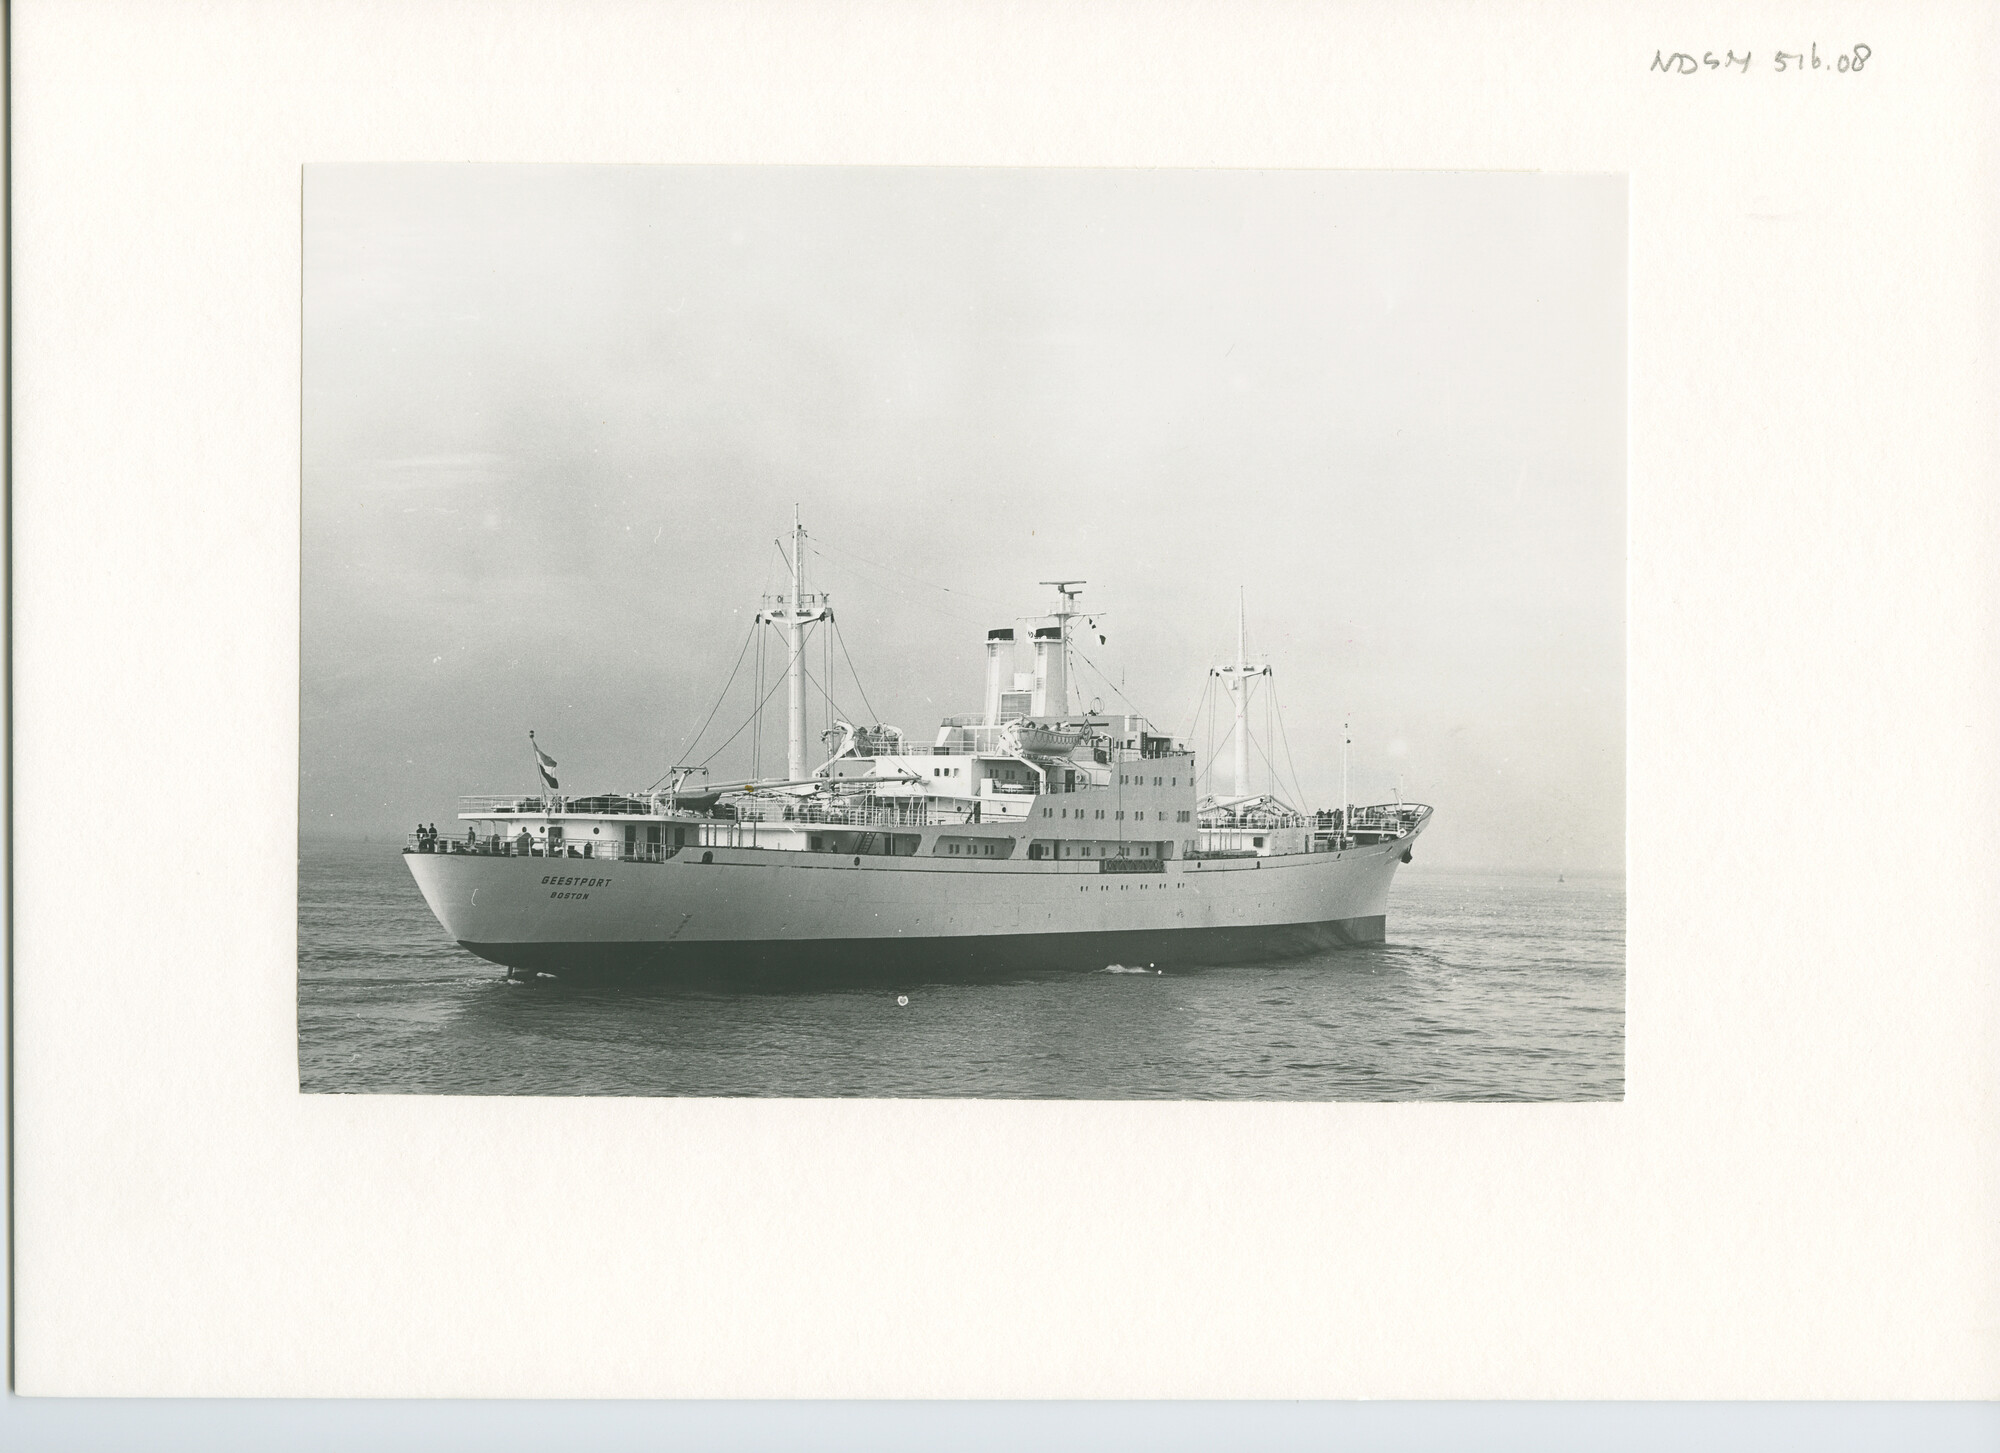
(1837, 63)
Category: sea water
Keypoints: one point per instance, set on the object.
(1489, 987)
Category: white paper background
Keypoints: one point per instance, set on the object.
(1797, 1198)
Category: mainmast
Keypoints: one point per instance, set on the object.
(794, 615)
(1242, 704)
(1237, 678)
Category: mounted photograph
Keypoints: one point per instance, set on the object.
(969, 633)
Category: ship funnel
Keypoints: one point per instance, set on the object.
(999, 664)
(1051, 680)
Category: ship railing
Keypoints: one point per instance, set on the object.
(504, 846)
(1383, 816)
(1365, 825)
(529, 805)
(962, 735)
(916, 813)
(1224, 819)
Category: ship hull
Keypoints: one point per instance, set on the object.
(861, 960)
(742, 914)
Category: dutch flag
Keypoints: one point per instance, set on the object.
(543, 761)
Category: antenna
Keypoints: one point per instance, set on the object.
(1069, 590)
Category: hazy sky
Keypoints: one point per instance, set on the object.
(555, 418)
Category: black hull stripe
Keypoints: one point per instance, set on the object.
(825, 960)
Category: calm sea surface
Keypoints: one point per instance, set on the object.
(1489, 988)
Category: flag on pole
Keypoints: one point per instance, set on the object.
(543, 761)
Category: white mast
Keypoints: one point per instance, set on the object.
(795, 642)
(1237, 677)
(795, 615)
(1242, 704)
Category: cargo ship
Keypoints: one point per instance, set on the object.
(1028, 835)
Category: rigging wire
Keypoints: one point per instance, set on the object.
(870, 580)
(757, 701)
(1273, 778)
(761, 696)
(1208, 766)
(688, 751)
(1283, 736)
(1227, 738)
(1267, 763)
(779, 681)
(1105, 679)
(917, 579)
(757, 711)
(1194, 718)
(836, 706)
(756, 715)
(876, 720)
